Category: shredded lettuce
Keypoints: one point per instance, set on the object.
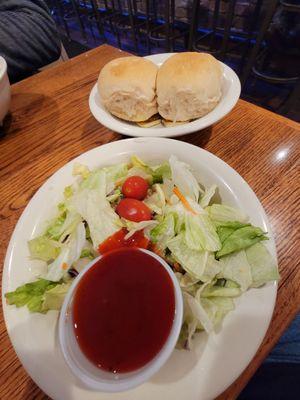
(134, 227)
(154, 174)
(225, 229)
(184, 179)
(93, 207)
(81, 170)
(224, 213)
(207, 196)
(31, 294)
(241, 239)
(263, 266)
(218, 291)
(70, 252)
(164, 231)
(54, 229)
(192, 261)
(53, 298)
(200, 233)
(156, 201)
(43, 248)
(161, 172)
(237, 268)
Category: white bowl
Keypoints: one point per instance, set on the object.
(4, 90)
(215, 360)
(231, 89)
(96, 379)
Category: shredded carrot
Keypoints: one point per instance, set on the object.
(64, 266)
(177, 267)
(183, 200)
(119, 182)
(155, 249)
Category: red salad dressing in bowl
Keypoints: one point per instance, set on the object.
(123, 310)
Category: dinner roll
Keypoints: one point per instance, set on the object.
(188, 86)
(127, 88)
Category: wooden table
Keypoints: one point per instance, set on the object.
(51, 124)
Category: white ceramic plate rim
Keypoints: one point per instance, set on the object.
(237, 361)
(226, 104)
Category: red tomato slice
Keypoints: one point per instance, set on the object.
(133, 210)
(117, 240)
(135, 187)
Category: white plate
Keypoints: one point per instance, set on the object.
(231, 89)
(202, 373)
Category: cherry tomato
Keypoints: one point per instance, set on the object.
(135, 187)
(134, 210)
(117, 240)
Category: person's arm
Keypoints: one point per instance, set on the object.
(28, 37)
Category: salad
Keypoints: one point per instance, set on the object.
(213, 249)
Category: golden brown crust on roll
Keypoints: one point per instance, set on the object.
(127, 88)
(188, 86)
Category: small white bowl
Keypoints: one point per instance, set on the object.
(95, 378)
(231, 90)
(4, 90)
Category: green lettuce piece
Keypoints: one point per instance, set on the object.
(186, 281)
(134, 227)
(241, 239)
(115, 196)
(140, 168)
(80, 170)
(225, 229)
(224, 232)
(30, 294)
(231, 284)
(53, 298)
(198, 263)
(70, 252)
(207, 196)
(195, 315)
(222, 213)
(43, 248)
(164, 231)
(212, 269)
(161, 172)
(111, 175)
(138, 162)
(68, 192)
(263, 266)
(218, 291)
(236, 268)
(157, 173)
(93, 181)
(87, 253)
(156, 201)
(91, 204)
(192, 261)
(200, 233)
(54, 229)
(217, 308)
(115, 172)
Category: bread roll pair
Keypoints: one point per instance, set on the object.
(187, 86)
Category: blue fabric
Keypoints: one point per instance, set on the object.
(279, 376)
(287, 349)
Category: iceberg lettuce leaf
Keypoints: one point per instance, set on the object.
(263, 266)
(241, 239)
(237, 269)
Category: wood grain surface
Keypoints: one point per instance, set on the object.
(50, 123)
